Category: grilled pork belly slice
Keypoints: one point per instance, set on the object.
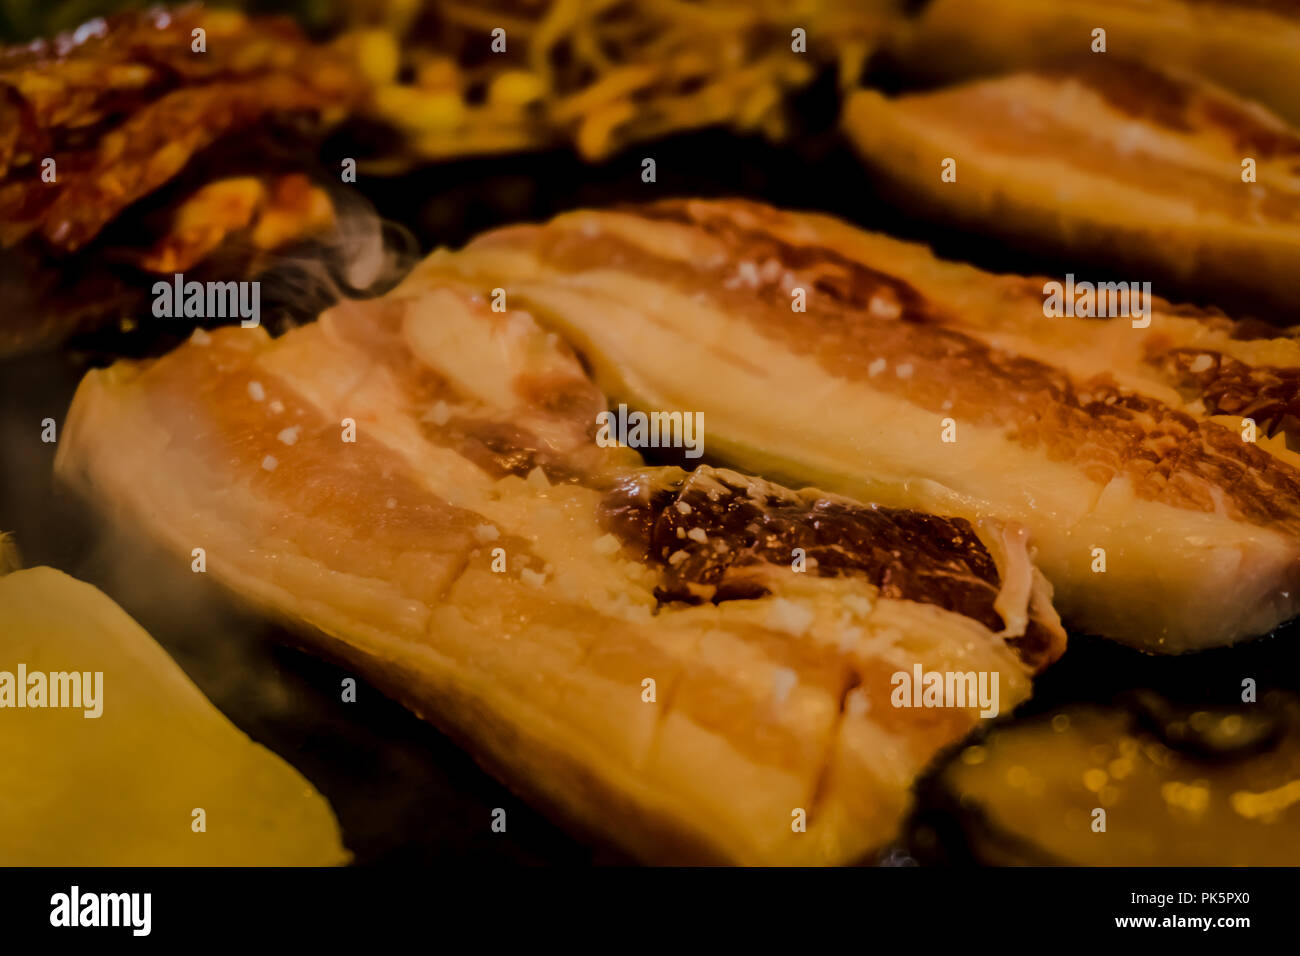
(1249, 46)
(1120, 448)
(1106, 161)
(478, 556)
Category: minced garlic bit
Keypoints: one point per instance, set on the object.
(533, 578)
(486, 532)
(269, 463)
(440, 414)
(858, 604)
(876, 367)
(256, 392)
(289, 435)
(605, 544)
(884, 307)
(850, 637)
(746, 275)
(683, 508)
(783, 681)
(787, 616)
(698, 534)
(856, 703)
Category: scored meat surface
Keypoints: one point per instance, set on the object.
(1146, 456)
(477, 555)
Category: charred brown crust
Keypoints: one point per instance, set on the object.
(717, 535)
(502, 449)
(1268, 395)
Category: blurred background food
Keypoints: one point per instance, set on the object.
(1108, 162)
(602, 73)
(124, 153)
(596, 73)
(149, 136)
(230, 167)
(1248, 46)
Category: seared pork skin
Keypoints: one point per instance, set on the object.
(1122, 444)
(478, 556)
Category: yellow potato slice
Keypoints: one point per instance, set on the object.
(123, 788)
